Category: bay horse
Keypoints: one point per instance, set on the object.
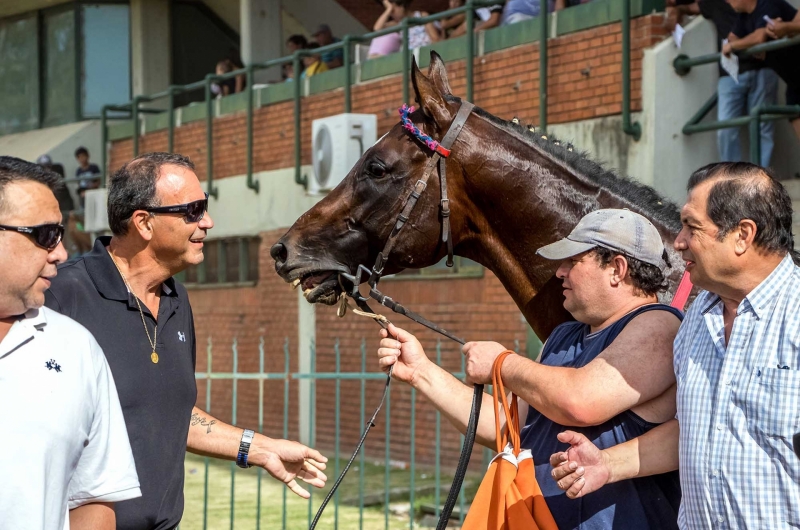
(511, 191)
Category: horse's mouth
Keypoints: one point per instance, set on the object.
(319, 287)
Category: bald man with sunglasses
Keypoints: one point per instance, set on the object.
(64, 446)
(124, 291)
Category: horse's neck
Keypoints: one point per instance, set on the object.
(520, 204)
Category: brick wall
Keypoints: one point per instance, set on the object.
(506, 84)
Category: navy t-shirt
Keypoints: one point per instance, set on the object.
(747, 23)
(636, 504)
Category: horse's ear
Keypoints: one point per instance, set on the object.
(430, 99)
(438, 74)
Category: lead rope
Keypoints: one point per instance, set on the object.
(469, 436)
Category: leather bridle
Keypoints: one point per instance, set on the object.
(439, 158)
(440, 153)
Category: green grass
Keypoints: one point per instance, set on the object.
(297, 509)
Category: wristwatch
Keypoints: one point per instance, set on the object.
(244, 448)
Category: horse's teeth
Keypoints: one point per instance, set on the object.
(295, 283)
(305, 293)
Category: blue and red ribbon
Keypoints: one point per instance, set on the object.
(432, 144)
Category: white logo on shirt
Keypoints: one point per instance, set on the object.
(181, 336)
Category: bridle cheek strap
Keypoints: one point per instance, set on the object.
(441, 150)
(447, 142)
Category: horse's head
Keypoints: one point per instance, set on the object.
(350, 226)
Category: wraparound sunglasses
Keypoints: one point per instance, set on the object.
(47, 236)
(192, 212)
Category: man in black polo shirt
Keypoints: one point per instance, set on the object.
(762, 20)
(157, 213)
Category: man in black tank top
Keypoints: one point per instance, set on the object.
(599, 376)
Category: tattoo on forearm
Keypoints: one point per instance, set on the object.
(202, 421)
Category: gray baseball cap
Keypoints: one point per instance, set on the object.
(623, 231)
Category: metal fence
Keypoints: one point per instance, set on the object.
(441, 474)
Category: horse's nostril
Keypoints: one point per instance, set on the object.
(278, 252)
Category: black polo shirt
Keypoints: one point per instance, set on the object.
(156, 399)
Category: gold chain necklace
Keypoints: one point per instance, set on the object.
(154, 355)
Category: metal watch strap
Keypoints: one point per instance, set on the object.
(244, 448)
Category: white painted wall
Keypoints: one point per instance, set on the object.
(241, 211)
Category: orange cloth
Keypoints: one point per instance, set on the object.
(509, 498)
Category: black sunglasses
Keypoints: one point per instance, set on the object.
(192, 212)
(47, 236)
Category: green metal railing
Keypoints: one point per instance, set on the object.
(133, 108)
(284, 379)
(683, 64)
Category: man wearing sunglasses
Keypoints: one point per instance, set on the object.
(125, 293)
(64, 445)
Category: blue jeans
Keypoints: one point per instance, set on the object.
(756, 87)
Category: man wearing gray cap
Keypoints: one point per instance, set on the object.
(609, 375)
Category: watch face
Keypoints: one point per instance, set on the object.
(796, 444)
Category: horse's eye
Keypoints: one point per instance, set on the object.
(376, 169)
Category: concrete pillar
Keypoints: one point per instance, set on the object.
(260, 35)
(307, 335)
(151, 46)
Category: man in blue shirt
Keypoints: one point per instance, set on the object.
(324, 36)
(609, 380)
(736, 364)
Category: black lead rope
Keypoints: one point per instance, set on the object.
(437, 160)
(474, 415)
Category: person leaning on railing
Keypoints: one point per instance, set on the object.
(787, 61)
(485, 18)
(760, 21)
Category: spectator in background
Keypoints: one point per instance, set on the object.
(384, 45)
(237, 64)
(313, 62)
(293, 43)
(65, 202)
(519, 10)
(757, 85)
(296, 42)
(677, 10)
(395, 11)
(87, 172)
(485, 18)
(449, 24)
(224, 87)
(785, 61)
(287, 71)
(332, 58)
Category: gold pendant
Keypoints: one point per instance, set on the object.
(154, 357)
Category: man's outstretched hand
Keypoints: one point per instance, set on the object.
(288, 461)
(581, 469)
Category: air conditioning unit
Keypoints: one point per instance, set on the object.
(337, 144)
